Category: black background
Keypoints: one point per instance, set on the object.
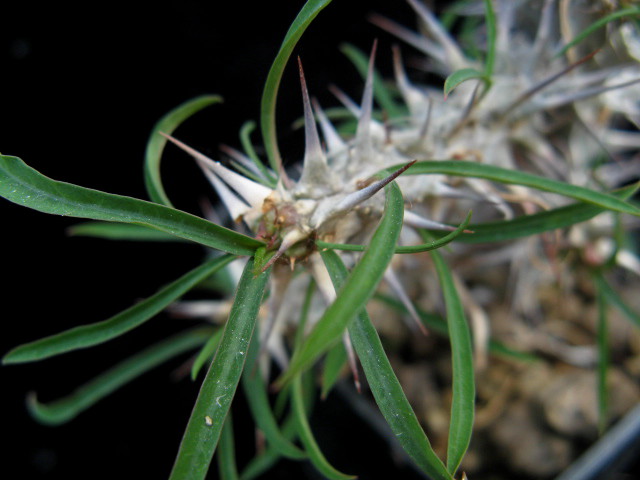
(81, 89)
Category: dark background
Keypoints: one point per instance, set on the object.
(81, 90)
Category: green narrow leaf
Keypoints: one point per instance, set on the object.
(121, 231)
(425, 247)
(598, 24)
(258, 400)
(67, 408)
(227, 452)
(88, 335)
(245, 140)
(490, 19)
(603, 363)
(464, 168)
(263, 462)
(206, 353)
(462, 75)
(334, 364)
(306, 435)
(380, 92)
(527, 225)
(384, 384)
(464, 392)
(157, 142)
(219, 386)
(23, 185)
(612, 297)
(270, 93)
(361, 285)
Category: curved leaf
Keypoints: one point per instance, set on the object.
(460, 76)
(258, 400)
(625, 12)
(384, 384)
(270, 93)
(464, 390)
(265, 460)
(464, 168)
(245, 139)
(206, 353)
(490, 19)
(361, 285)
(23, 185)
(156, 143)
(334, 364)
(306, 435)
(121, 231)
(527, 225)
(96, 333)
(69, 407)
(227, 452)
(219, 386)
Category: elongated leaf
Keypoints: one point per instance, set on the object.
(361, 285)
(527, 225)
(121, 231)
(382, 94)
(425, 247)
(306, 435)
(69, 407)
(334, 364)
(245, 139)
(256, 395)
(611, 296)
(598, 24)
(490, 19)
(157, 142)
(227, 452)
(23, 185)
(206, 353)
(472, 169)
(219, 386)
(460, 76)
(270, 93)
(464, 391)
(88, 335)
(384, 384)
(263, 462)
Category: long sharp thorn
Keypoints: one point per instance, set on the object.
(251, 191)
(416, 221)
(398, 289)
(241, 159)
(315, 164)
(236, 207)
(360, 196)
(345, 100)
(455, 57)
(332, 139)
(545, 83)
(363, 134)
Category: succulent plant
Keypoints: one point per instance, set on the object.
(529, 136)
